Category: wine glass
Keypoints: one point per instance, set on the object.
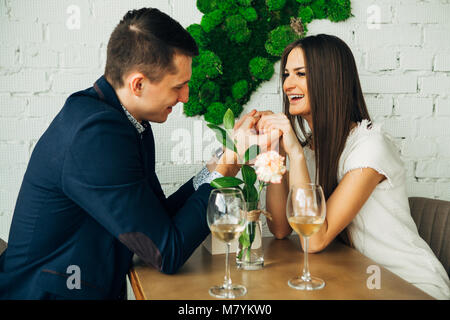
(226, 218)
(306, 211)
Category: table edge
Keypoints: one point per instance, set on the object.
(136, 285)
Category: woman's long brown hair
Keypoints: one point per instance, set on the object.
(336, 100)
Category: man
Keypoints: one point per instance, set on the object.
(90, 197)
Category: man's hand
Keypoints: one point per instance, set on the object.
(246, 134)
(258, 115)
(228, 165)
(280, 124)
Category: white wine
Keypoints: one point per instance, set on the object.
(226, 232)
(305, 225)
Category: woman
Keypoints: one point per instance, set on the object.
(357, 165)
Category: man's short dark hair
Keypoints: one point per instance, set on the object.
(146, 40)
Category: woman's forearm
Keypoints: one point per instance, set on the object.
(298, 172)
(277, 195)
(276, 204)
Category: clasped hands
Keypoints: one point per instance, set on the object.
(267, 130)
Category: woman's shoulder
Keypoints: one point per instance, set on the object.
(368, 146)
(367, 133)
(370, 137)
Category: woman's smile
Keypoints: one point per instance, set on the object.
(294, 98)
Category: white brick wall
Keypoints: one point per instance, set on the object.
(416, 59)
(381, 59)
(422, 13)
(442, 62)
(377, 83)
(414, 106)
(443, 107)
(402, 49)
(436, 36)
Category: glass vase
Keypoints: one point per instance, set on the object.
(249, 254)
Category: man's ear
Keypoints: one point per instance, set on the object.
(136, 83)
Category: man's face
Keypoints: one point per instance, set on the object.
(157, 99)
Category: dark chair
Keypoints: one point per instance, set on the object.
(3, 246)
(432, 218)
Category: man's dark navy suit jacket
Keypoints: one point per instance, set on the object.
(90, 198)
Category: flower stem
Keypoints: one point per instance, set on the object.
(261, 186)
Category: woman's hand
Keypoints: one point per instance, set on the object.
(275, 144)
(246, 135)
(280, 124)
(244, 132)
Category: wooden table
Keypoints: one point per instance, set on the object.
(343, 269)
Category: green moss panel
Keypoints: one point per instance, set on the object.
(240, 41)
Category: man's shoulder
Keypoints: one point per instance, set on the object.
(86, 101)
(85, 107)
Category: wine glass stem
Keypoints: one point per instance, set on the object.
(306, 275)
(227, 282)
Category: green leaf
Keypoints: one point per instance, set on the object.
(252, 229)
(220, 133)
(250, 193)
(244, 239)
(249, 175)
(226, 182)
(223, 137)
(251, 153)
(241, 252)
(228, 120)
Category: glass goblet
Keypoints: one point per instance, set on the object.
(306, 212)
(226, 219)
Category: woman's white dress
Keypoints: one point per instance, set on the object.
(383, 230)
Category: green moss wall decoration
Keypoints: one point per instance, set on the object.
(239, 41)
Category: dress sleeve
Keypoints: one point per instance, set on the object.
(373, 149)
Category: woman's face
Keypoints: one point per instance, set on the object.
(294, 85)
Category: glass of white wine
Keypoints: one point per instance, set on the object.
(306, 212)
(226, 219)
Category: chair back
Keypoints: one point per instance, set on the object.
(432, 218)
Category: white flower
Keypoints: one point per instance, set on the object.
(269, 167)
